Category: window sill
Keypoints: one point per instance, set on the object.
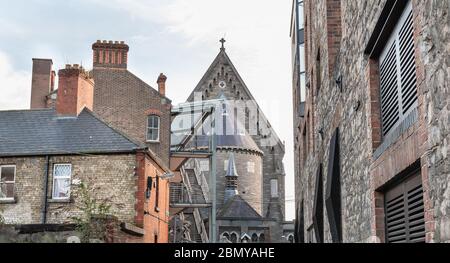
(59, 201)
(396, 133)
(8, 201)
(153, 142)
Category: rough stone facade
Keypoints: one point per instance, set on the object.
(110, 178)
(367, 161)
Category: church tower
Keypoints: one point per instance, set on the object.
(223, 80)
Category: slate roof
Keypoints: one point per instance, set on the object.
(42, 132)
(237, 207)
(227, 138)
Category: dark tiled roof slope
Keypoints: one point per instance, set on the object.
(237, 207)
(40, 132)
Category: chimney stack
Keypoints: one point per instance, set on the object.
(41, 83)
(75, 90)
(52, 81)
(109, 54)
(162, 84)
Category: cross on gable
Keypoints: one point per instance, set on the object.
(223, 43)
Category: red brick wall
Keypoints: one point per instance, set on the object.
(40, 83)
(75, 91)
(124, 101)
(149, 215)
(334, 31)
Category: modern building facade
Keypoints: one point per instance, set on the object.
(372, 146)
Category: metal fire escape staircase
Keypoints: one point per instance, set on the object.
(192, 194)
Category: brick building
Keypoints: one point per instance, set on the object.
(372, 140)
(63, 136)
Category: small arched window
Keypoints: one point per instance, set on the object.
(255, 238)
(153, 124)
(226, 235)
(234, 238)
(291, 238)
(262, 238)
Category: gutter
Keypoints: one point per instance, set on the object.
(45, 201)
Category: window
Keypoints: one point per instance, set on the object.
(7, 181)
(318, 207)
(404, 210)
(225, 165)
(251, 167)
(153, 123)
(398, 85)
(61, 181)
(255, 238)
(234, 238)
(333, 190)
(274, 188)
(262, 238)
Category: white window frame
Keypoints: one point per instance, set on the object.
(8, 182)
(395, 38)
(59, 178)
(153, 128)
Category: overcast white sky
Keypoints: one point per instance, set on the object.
(177, 37)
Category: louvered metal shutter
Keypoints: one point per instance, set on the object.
(404, 207)
(398, 81)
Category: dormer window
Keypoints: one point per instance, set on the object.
(153, 124)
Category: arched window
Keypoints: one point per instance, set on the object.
(153, 124)
(262, 238)
(234, 237)
(291, 238)
(255, 238)
(226, 235)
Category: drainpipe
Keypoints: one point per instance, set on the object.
(46, 175)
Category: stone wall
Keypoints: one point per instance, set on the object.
(249, 183)
(350, 110)
(109, 177)
(108, 229)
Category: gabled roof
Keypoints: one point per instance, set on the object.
(43, 132)
(211, 68)
(237, 207)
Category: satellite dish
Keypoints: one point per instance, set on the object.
(73, 239)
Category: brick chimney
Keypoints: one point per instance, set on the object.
(75, 90)
(109, 54)
(162, 84)
(41, 82)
